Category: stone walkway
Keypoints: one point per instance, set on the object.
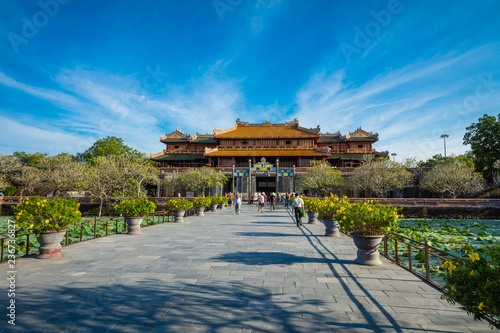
(254, 272)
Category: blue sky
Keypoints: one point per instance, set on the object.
(72, 71)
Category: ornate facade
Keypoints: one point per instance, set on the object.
(288, 143)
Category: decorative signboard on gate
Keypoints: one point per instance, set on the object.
(263, 166)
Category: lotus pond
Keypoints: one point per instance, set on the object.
(457, 237)
(84, 229)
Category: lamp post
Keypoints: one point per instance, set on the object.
(249, 178)
(233, 181)
(444, 136)
(394, 157)
(277, 175)
(294, 179)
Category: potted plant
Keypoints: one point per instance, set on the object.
(179, 207)
(134, 211)
(312, 205)
(49, 220)
(199, 204)
(367, 222)
(223, 202)
(328, 209)
(214, 202)
(475, 284)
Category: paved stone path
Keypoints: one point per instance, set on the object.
(254, 272)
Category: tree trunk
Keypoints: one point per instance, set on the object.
(100, 207)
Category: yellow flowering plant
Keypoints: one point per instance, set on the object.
(367, 218)
(201, 202)
(475, 283)
(330, 207)
(216, 200)
(42, 215)
(178, 205)
(139, 207)
(313, 205)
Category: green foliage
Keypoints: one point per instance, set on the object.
(10, 191)
(110, 145)
(32, 160)
(43, 215)
(178, 205)
(201, 202)
(484, 138)
(439, 159)
(321, 178)
(136, 207)
(475, 283)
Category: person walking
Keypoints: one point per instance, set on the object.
(272, 199)
(298, 205)
(262, 202)
(287, 200)
(230, 200)
(237, 204)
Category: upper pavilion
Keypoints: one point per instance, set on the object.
(289, 142)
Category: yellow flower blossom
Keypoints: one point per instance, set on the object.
(453, 288)
(472, 273)
(481, 306)
(473, 257)
(32, 225)
(46, 221)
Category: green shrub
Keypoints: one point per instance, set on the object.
(136, 207)
(10, 191)
(475, 283)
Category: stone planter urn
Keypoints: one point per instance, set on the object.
(133, 225)
(213, 208)
(367, 250)
(313, 217)
(199, 211)
(331, 228)
(179, 216)
(50, 244)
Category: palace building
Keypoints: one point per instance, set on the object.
(264, 156)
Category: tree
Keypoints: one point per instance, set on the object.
(9, 168)
(102, 179)
(454, 178)
(32, 160)
(380, 176)
(321, 178)
(439, 159)
(62, 173)
(108, 146)
(199, 179)
(135, 171)
(31, 180)
(484, 138)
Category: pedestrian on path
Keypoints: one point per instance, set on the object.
(298, 205)
(262, 203)
(237, 204)
(287, 200)
(272, 199)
